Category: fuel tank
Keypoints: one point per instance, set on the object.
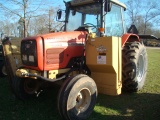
(105, 64)
(52, 51)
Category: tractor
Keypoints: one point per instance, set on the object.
(91, 54)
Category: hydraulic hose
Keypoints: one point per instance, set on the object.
(46, 79)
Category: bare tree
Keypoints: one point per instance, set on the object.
(53, 25)
(133, 9)
(142, 13)
(23, 12)
(45, 22)
(151, 13)
(33, 20)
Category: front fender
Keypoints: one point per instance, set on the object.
(129, 37)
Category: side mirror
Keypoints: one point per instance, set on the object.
(74, 12)
(59, 14)
(108, 6)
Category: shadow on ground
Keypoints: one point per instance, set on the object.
(141, 106)
(135, 106)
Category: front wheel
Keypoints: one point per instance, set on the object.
(134, 65)
(77, 97)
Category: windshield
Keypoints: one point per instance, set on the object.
(87, 15)
(74, 21)
(91, 21)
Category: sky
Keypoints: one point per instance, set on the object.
(61, 1)
(36, 4)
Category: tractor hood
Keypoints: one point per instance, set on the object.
(65, 37)
(52, 51)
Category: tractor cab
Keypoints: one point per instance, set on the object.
(103, 17)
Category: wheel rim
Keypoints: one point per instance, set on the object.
(140, 68)
(4, 70)
(83, 100)
(30, 86)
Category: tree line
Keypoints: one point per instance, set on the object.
(145, 15)
(23, 20)
(27, 17)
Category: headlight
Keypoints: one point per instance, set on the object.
(31, 58)
(24, 57)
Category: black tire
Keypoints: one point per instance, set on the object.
(134, 66)
(18, 86)
(74, 92)
(3, 71)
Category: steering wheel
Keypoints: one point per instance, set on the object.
(62, 27)
(87, 27)
(90, 25)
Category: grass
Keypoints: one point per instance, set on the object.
(144, 105)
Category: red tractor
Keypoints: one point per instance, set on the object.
(92, 54)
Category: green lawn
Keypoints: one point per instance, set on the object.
(144, 105)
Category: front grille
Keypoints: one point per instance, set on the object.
(29, 53)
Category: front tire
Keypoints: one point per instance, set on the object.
(77, 97)
(134, 57)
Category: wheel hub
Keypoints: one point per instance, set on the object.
(83, 100)
(140, 68)
(79, 98)
(30, 86)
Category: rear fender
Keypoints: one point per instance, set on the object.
(129, 38)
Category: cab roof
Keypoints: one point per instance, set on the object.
(84, 2)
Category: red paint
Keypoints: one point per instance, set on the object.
(55, 50)
(129, 38)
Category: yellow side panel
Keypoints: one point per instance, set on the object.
(12, 56)
(103, 57)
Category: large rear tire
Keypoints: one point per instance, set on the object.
(77, 97)
(134, 57)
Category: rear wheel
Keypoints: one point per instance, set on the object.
(134, 66)
(77, 97)
(24, 88)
